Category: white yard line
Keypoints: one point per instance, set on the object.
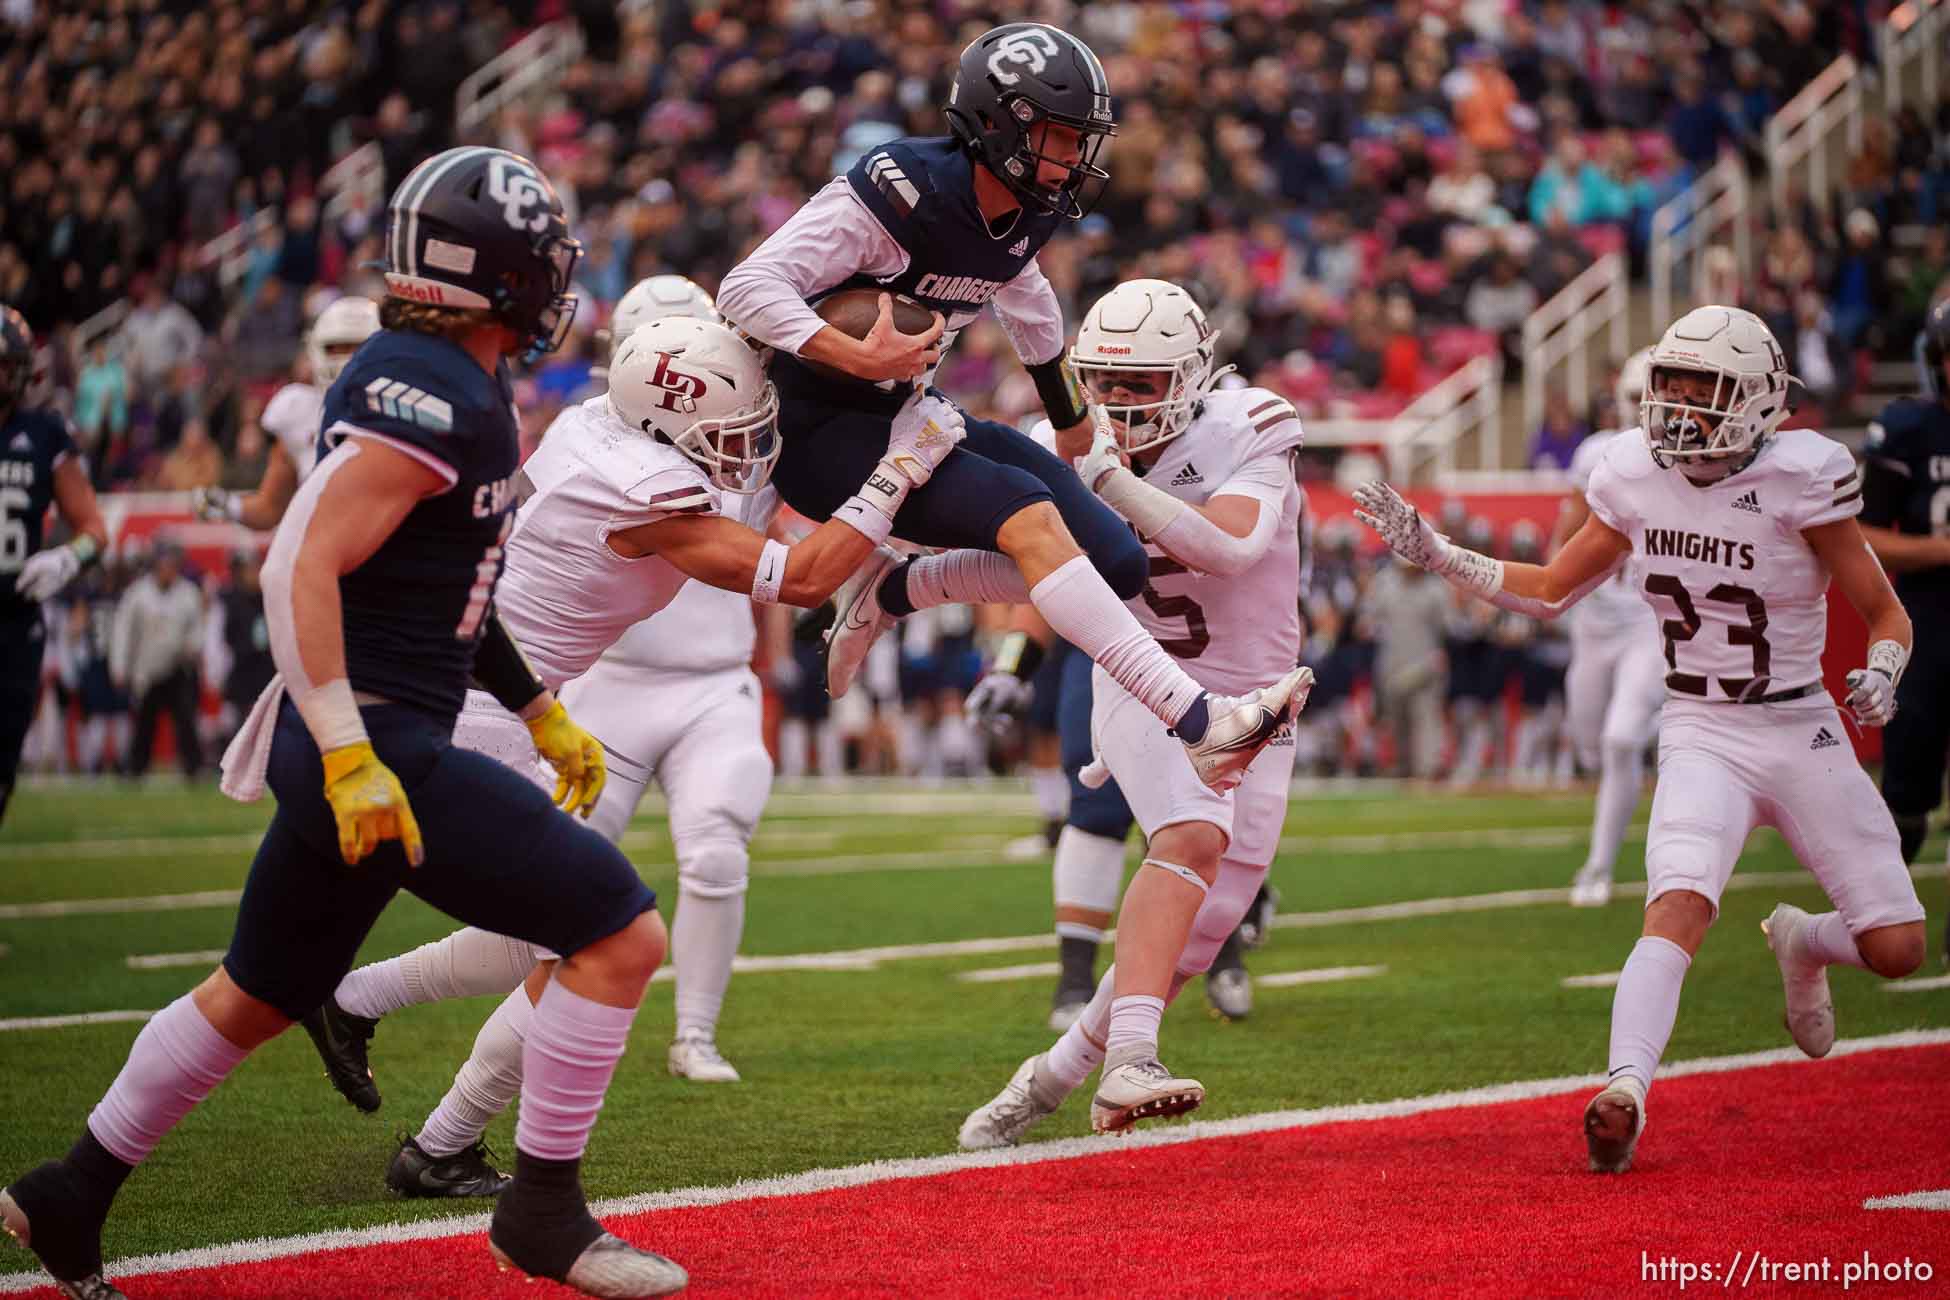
(1606, 980)
(1317, 975)
(112, 906)
(85, 1018)
(1003, 974)
(1917, 986)
(170, 960)
(881, 1171)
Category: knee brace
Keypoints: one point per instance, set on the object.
(717, 868)
(1088, 870)
(1224, 907)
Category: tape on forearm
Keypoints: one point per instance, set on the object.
(1889, 658)
(1061, 394)
(871, 510)
(503, 671)
(331, 715)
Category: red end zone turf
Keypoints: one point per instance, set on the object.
(1487, 1200)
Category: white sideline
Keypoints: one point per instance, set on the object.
(1910, 1201)
(880, 1171)
(1917, 986)
(1318, 975)
(1604, 980)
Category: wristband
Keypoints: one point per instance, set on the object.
(85, 549)
(871, 510)
(1019, 656)
(1061, 394)
(1471, 570)
(769, 575)
(332, 715)
(1889, 658)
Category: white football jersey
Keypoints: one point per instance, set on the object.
(1740, 595)
(705, 628)
(1230, 634)
(1614, 608)
(293, 416)
(564, 594)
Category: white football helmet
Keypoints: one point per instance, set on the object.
(653, 299)
(1146, 327)
(1630, 388)
(1749, 396)
(695, 384)
(337, 333)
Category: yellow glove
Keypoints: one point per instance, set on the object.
(576, 756)
(369, 804)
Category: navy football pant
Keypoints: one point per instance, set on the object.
(830, 446)
(499, 855)
(1916, 742)
(1101, 811)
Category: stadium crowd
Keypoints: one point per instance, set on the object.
(1365, 196)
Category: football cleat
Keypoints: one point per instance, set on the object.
(1810, 1014)
(858, 621)
(1135, 1085)
(697, 1059)
(1591, 887)
(415, 1172)
(1230, 992)
(70, 1238)
(1023, 1101)
(1067, 1009)
(1613, 1121)
(341, 1039)
(1256, 926)
(1242, 725)
(611, 1268)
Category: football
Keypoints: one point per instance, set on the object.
(853, 311)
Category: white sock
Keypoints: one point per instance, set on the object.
(175, 1061)
(485, 1084)
(1081, 1048)
(573, 1046)
(1076, 602)
(1620, 777)
(1052, 791)
(466, 964)
(703, 941)
(792, 748)
(1825, 939)
(1087, 871)
(1645, 1006)
(829, 750)
(965, 578)
(1134, 1018)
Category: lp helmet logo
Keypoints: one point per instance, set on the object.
(517, 188)
(680, 390)
(1032, 47)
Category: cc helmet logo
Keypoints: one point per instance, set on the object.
(680, 390)
(1031, 47)
(517, 188)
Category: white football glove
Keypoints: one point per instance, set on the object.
(925, 430)
(213, 504)
(46, 572)
(996, 701)
(1871, 697)
(1408, 535)
(1105, 454)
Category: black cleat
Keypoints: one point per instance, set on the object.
(1257, 924)
(341, 1039)
(465, 1173)
(48, 1212)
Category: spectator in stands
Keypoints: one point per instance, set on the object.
(101, 401)
(246, 638)
(1922, 274)
(1401, 355)
(1815, 355)
(1749, 103)
(154, 653)
(209, 174)
(1485, 101)
(1498, 304)
(263, 338)
(193, 462)
(1858, 288)
(1463, 190)
(1407, 611)
(1697, 124)
(1557, 438)
(158, 336)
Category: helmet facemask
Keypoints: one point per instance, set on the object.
(737, 453)
(560, 254)
(1147, 424)
(1701, 418)
(1022, 168)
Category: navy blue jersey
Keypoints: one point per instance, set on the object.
(1906, 487)
(413, 611)
(922, 190)
(32, 443)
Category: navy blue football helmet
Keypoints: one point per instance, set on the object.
(16, 357)
(483, 228)
(1933, 349)
(1011, 80)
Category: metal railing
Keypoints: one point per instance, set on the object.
(357, 178)
(1803, 127)
(1469, 402)
(1559, 333)
(230, 252)
(99, 326)
(1692, 221)
(1914, 32)
(534, 62)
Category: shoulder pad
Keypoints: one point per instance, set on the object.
(892, 181)
(400, 379)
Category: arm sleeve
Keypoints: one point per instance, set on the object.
(1832, 493)
(1030, 315)
(1200, 544)
(502, 670)
(832, 237)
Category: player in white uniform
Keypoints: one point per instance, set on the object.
(1617, 677)
(292, 418)
(1211, 489)
(624, 504)
(1736, 528)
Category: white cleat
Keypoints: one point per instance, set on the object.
(1613, 1121)
(1810, 1015)
(698, 1060)
(1023, 1101)
(1135, 1085)
(1242, 725)
(1065, 1014)
(613, 1269)
(1591, 887)
(1230, 992)
(859, 621)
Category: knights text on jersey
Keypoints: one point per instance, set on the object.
(1906, 487)
(413, 611)
(293, 416)
(1740, 595)
(568, 596)
(32, 442)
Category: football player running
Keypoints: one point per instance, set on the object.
(1737, 527)
(627, 500)
(292, 418)
(1207, 479)
(955, 222)
(1616, 680)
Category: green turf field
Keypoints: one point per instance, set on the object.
(849, 1065)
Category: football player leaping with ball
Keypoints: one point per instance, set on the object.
(1738, 526)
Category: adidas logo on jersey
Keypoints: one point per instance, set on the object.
(1748, 501)
(1824, 739)
(1020, 247)
(1187, 476)
(21, 442)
